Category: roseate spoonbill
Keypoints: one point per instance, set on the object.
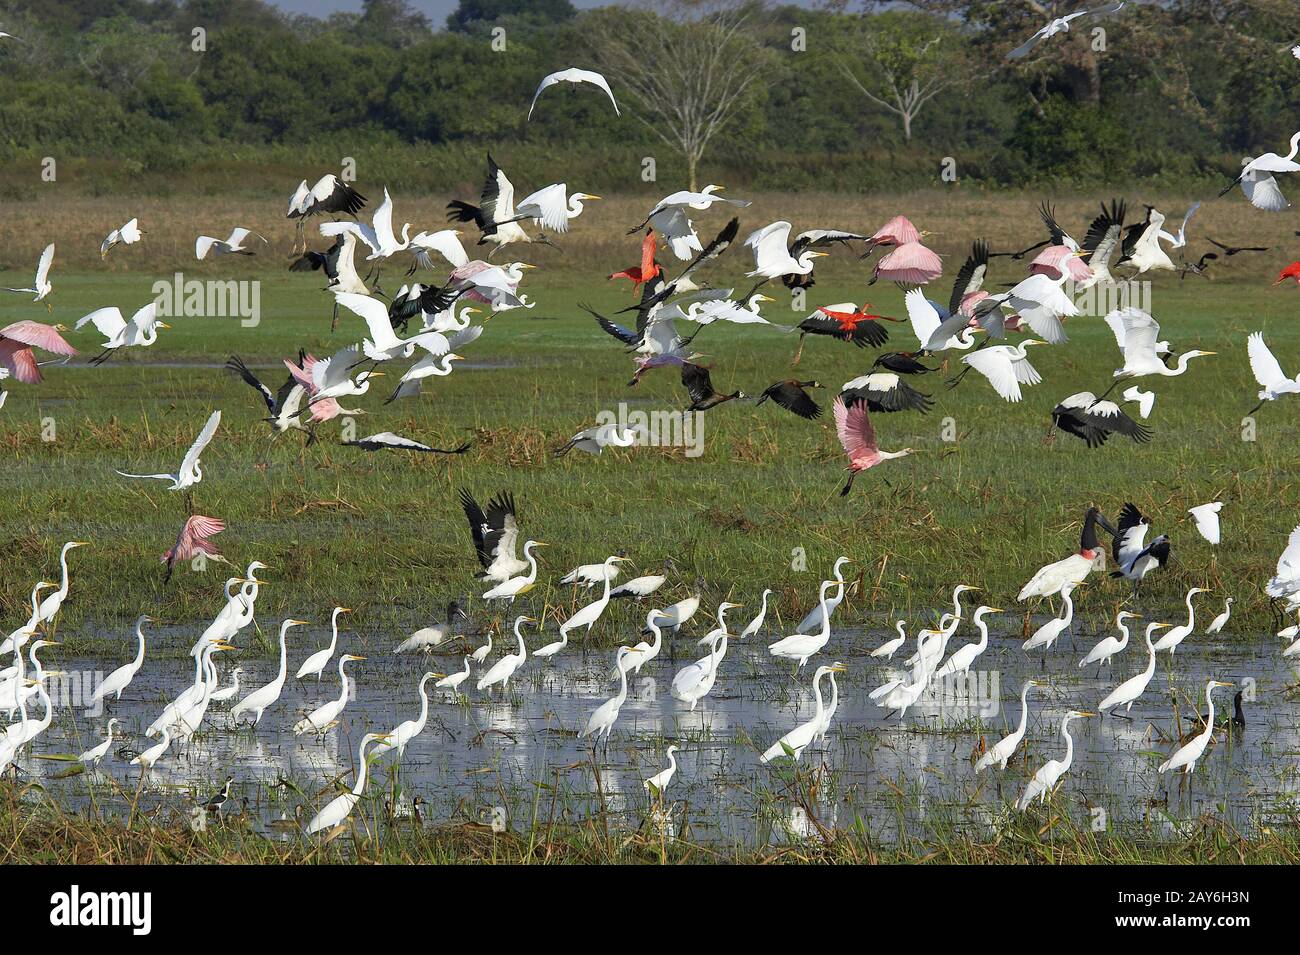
(495, 534)
(315, 664)
(340, 807)
(572, 75)
(1001, 751)
(1186, 756)
(858, 439)
(1070, 571)
(330, 195)
(791, 396)
(1055, 26)
(1084, 416)
(194, 539)
(233, 244)
(909, 264)
(793, 743)
(326, 715)
(41, 287)
(128, 234)
(18, 340)
(191, 471)
(699, 385)
(1050, 773)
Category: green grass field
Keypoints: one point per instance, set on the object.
(383, 533)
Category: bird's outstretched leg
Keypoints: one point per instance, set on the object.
(1110, 389)
(798, 352)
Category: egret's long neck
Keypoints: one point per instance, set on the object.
(659, 637)
(622, 683)
(1069, 608)
(826, 614)
(1151, 658)
(334, 638)
(1123, 629)
(360, 787)
(835, 692)
(983, 641)
(1024, 710)
(63, 562)
(1069, 745)
(1209, 717)
(523, 650)
(424, 700)
(532, 569)
(1191, 613)
(343, 682)
(817, 693)
(139, 653)
(284, 653)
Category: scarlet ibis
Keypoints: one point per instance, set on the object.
(648, 269)
(1292, 271)
(846, 322)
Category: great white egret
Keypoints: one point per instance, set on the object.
(658, 783)
(140, 332)
(92, 756)
(1186, 756)
(427, 637)
(511, 588)
(602, 720)
(191, 471)
(233, 244)
(1206, 517)
(261, 698)
(407, 730)
(315, 664)
(793, 743)
(1006, 367)
(588, 615)
(1005, 748)
(1047, 634)
(1058, 25)
(1267, 164)
(51, 605)
(891, 646)
(1050, 773)
(755, 625)
(1218, 623)
(594, 441)
(813, 619)
(41, 287)
(1127, 692)
(1142, 352)
(670, 217)
(504, 669)
(800, 646)
(693, 682)
(121, 678)
(452, 681)
(1273, 382)
(326, 715)
(1176, 635)
(148, 757)
(572, 75)
(340, 807)
(129, 234)
(1108, 646)
(962, 658)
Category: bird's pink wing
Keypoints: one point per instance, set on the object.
(302, 374)
(201, 527)
(853, 425)
(20, 361)
(897, 230)
(38, 336)
(324, 410)
(911, 263)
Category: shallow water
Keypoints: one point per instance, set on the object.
(483, 760)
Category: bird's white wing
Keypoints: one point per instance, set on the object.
(43, 266)
(1263, 192)
(996, 367)
(573, 75)
(1288, 565)
(201, 442)
(108, 320)
(1028, 45)
(1263, 365)
(202, 245)
(923, 316)
(770, 243)
(445, 243)
(436, 343)
(375, 314)
(334, 370)
(239, 234)
(298, 198)
(1026, 373)
(1115, 319)
(551, 203)
(1140, 334)
(144, 316)
(1145, 399)
(383, 219)
(465, 336)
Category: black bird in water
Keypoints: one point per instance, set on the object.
(221, 797)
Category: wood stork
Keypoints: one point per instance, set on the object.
(1086, 417)
(1141, 246)
(885, 392)
(330, 195)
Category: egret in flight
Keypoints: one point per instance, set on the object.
(190, 472)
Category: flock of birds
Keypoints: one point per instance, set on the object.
(972, 322)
